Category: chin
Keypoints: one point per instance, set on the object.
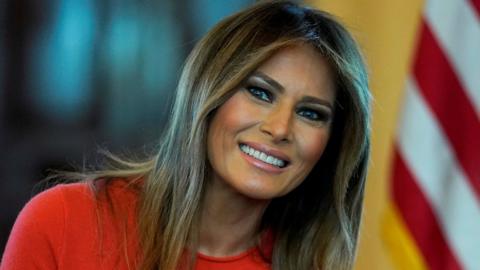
(260, 191)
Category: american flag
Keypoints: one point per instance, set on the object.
(434, 222)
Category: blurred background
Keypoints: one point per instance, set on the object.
(79, 75)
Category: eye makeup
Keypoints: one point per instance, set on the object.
(265, 89)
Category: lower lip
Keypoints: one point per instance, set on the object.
(262, 165)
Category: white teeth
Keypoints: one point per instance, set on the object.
(262, 156)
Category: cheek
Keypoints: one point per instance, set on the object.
(230, 118)
(312, 145)
(234, 115)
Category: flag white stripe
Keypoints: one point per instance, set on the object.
(429, 156)
(457, 28)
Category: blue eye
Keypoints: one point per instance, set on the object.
(260, 93)
(313, 115)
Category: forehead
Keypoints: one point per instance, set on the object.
(301, 70)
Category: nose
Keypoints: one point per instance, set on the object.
(277, 124)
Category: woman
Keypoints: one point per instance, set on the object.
(262, 167)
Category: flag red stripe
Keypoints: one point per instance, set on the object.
(476, 6)
(420, 219)
(444, 94)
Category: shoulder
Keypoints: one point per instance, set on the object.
(48, 207)
(72, 206)
(37, 237)
(82, 196)
(63, 226)
(46, 211)
(52, 203)
(55, 197)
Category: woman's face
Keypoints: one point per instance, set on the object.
(266, 138)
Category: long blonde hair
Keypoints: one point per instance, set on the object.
(316, 225)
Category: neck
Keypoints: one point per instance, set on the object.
(229, 222)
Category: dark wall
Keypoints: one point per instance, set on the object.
(79, 75)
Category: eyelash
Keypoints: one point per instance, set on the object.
(260, 93)
(313, 115)
(307, 113)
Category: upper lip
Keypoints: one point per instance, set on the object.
(268, 150)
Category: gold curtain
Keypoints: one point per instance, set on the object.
(386, 31)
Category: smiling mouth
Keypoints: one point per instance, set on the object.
(264, 157)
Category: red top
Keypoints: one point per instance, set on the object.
(65, 227)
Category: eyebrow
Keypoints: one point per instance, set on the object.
(273, 83)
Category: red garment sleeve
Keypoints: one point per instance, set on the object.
(36, 239)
